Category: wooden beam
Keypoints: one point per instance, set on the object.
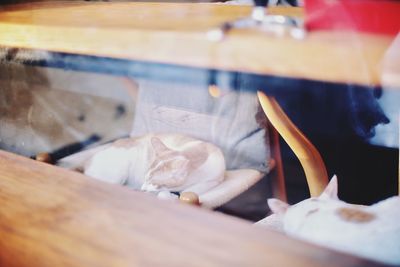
(177, 34)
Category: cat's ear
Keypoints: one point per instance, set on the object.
(331, 190)
(158, 145)
(277, 206)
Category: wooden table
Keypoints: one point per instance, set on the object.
(136, 30)
(53, 217)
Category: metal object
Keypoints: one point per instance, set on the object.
(261, 20)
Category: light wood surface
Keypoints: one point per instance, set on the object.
(177, 33)
(310, 159)
(53, 217)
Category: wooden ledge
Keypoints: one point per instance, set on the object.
(177, 34)
(53, 217)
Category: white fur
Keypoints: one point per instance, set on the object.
(197, 166)
(317, 220)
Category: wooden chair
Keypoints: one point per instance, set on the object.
(279, 125)
(310, 159)
(272, 117)
(239, 180)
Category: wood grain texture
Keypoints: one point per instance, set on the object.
(177, 33)
(53, 217)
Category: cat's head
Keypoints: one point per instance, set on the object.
(293, 216)
(169, 168)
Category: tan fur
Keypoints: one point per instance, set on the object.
(125, 143)
(354, 215)
(197, 155)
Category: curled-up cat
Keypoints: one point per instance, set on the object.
(372, 232)
(160, 163)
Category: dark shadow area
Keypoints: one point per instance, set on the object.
(340, 123)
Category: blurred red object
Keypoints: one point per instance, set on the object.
(377, 16)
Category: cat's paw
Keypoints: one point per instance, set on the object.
(167, 195)
(148, 187)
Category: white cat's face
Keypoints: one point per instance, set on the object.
(169, 172)
(294, 216)
(169, 169)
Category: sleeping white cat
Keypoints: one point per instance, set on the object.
(154, 162)
(368, 231)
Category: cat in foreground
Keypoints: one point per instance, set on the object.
(160, 163)
(372, 232)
